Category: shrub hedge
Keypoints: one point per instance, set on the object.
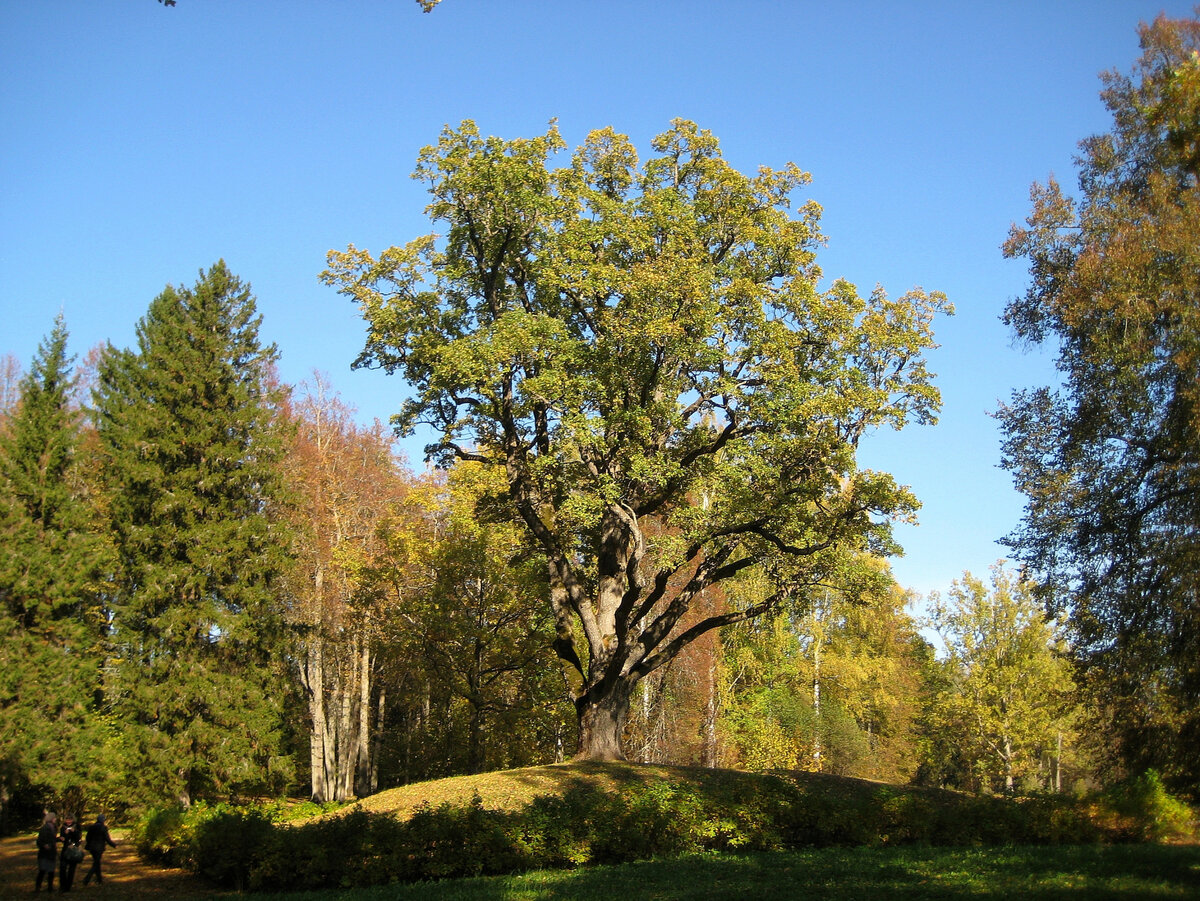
(254, 848)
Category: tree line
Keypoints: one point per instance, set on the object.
(647, 534)
(219, 586)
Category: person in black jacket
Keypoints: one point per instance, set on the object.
(47, 848)
(97, 840)
(71, 835)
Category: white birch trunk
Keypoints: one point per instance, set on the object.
(315, 685)
(363, 733)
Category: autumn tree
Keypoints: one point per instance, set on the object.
(872, 673)
(1010, 694)
(834, 689)
(53, 562)
(1110, 461)
(343, 479)
(191, 466)
(636, 343)
(674, 713)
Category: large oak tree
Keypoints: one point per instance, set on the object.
(645, 342)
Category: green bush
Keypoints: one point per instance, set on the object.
(256, 849)
(1146, 811)
(326, 853)
(160, 835)
(222, 842)
(228, 843)
(555, 830)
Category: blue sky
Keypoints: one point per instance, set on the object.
(141, 143)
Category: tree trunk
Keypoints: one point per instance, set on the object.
(347, 746)
(1058, 766)
(475, 705)
(362, 778)
(602, 713)
(1008, 767)
(315, 683)
(474, 737)
(817, 762)
(708, 752)
(329, 742)
(646, 754)
(377, 740)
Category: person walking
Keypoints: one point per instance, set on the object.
(47, 848)
(97, 840)
(71, 835)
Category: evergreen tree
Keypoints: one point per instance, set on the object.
(191, 461)
(51, 566)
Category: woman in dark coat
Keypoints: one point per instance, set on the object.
(71, 835)
(97, 839)
(47, 847)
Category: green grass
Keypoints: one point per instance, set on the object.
(1064, 873)
(513, 789)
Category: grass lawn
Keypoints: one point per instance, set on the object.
(1124, 872)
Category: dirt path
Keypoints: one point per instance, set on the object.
(125, 874)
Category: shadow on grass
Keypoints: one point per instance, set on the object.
(1121, 873)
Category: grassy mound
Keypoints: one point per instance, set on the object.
(578, 814)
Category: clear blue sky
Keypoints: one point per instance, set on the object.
(140, 143)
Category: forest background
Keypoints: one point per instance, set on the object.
(374, 631)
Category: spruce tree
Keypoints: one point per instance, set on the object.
(51, 567)
(191, 462)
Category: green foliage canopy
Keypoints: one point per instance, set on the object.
(1010, 691)
(636, 342)
(52, 565)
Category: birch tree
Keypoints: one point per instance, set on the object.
(346, 479)
(1011, 689)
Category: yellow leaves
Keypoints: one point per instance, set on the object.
(351, 559)
(1012, 682)
(607, 162)
(771, 747)
(388, 289)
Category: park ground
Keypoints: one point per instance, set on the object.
(126, 876)
(1072, 873)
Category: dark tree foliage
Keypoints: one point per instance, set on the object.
(191, 463)
(1110, 462)
(51, 567)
